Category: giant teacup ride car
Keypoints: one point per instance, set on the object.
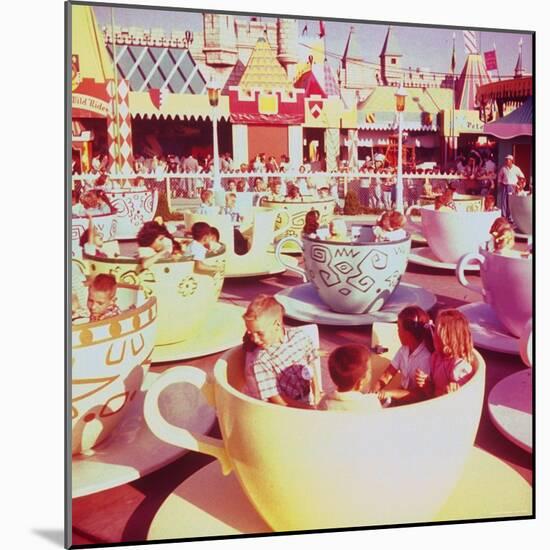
(291, 216)
(463, 202)
(522, 212)
(497, 323)
(135, 206)
(259, 230)
(104, 224)
(110, 359)
(353, 282)
(191, 320)
(450, 235)
(360, 480)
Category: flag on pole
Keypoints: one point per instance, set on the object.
(491, 60)
(470, 42)
(321, 29)
(453, 56)
(304, 30)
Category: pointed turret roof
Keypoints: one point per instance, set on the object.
(474, 74)
(391, 45)
(319, 80)
(235, 76)
(519, 71)
(352, 52)
(264, 71)
(88, 45)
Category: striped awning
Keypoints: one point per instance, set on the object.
(517, 123)
(182, 106)
(387, 120)
(512, 89)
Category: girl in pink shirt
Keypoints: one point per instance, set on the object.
(452, 360)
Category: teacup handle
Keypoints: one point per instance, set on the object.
(525, 344)
(461, 268)
(285, 224)
(180, 437)
(280, 256)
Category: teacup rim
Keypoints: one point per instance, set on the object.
(169, 261)
(431, 208)
(358, 243)
(505, 257)
(121, 191)
(327, 200)
(125, 314)
(105, 214)
(220, 377)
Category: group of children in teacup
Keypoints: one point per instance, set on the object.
(92, 202)
(389, 227)
(155, 242)
(434, 359)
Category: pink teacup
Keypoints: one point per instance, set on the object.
(507, 286)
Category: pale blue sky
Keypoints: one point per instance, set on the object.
(421, 47)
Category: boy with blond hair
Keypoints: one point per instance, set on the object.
(279, 360)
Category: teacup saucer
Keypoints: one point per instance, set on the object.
(257, 267)
(302, 302)
(132, 451)
(511, 408)
(425, 257)
(223, 329)
(211, 504)
(487, 331)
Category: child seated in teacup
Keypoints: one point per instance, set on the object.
(452, 361)
(397, 224)
(520, 188)
(350, 370)
(311, 224)
(503, 236)
(214, 242)
(324, 192)
(439, 204)
(276, 190)
(489, 204)
(389, 227)
(279, 360)
(230, 208)
(207, 206)
(102, 297)
(448, 197)
(199, 246)
(338, 231)
(415, 334)
(78, 210)
(91, 241)
(154, 243)
(293, 194)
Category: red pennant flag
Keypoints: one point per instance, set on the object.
(321, 29)
(491, 60)
(157, 97)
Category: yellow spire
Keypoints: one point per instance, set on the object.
(87, 43)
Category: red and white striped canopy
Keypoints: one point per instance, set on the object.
(474, 74)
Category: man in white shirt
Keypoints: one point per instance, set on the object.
(508, 177)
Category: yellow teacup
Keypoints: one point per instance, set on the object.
(258, 228)
(109, 362)
(308, 470)
(185, 297)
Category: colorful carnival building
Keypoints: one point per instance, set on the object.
(279, 95)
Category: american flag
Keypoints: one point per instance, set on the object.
(470, 42)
